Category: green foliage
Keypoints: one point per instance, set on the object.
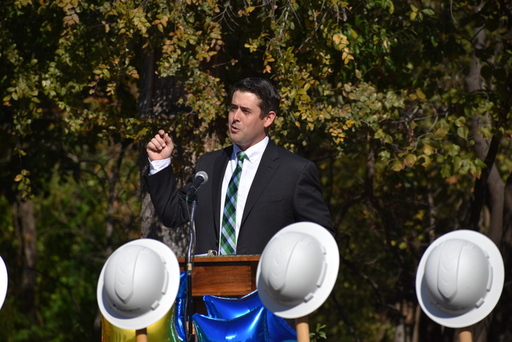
(318, 334)
(71, 247)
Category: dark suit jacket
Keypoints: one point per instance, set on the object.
(285, 190)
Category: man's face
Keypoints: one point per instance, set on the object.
(246, 127)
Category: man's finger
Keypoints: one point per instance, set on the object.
(167, 139)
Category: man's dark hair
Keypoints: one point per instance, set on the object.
(264, 90)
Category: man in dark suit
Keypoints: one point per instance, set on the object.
(276, 187)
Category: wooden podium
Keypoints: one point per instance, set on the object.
(226, 276)
(229, 275)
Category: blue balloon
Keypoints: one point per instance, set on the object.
(250, 327)
(177, 320)
(225, 308)
(231, 319)
(279, 329)
(230, 308)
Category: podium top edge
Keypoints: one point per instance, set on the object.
(223, 258)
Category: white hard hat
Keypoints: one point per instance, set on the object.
(138, 284)
(4, 281)
(460, 278)
(297, 270)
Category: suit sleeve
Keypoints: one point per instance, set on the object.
(169, 201)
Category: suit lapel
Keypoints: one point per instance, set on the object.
(266, 170)
(219, 169)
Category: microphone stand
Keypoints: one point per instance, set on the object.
(189, 267)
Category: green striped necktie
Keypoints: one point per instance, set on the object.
(228, 233)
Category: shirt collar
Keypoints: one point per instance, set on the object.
(254, 152)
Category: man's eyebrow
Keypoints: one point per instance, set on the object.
(243, 108)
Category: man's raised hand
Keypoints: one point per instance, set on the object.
(160, 147)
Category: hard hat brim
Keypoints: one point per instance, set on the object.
(332, 259)
(476, 314)
(166, 302)
(4, 281)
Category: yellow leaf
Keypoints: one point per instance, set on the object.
(428, 150)
(440, 133)
(410, 159)
(397, 165)
(420, 94)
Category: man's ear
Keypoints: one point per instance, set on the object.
(269, 119)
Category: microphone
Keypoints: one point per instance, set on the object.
(200, 179)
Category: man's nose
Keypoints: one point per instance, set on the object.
(236, 114)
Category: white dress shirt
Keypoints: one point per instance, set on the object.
(249, 168)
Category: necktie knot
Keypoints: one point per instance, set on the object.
(241, 156)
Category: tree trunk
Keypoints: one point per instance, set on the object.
(157, 98)
(26, 230)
